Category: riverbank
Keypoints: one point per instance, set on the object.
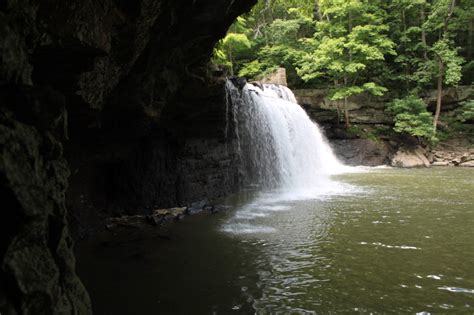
(371, 140)
(370, 152)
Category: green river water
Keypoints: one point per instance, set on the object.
(383, 241)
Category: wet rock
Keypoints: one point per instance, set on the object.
(238, 82)
(162, 215)
(155, 219)
(466, 157)
(362, 152)
(219, 208)
(135, 221)
(410, 158)
(193, 211)
(197, 207)
(209, 209)
(171, 211)
(258, 84)
(467, 164)
(453, 152)
(440, 163)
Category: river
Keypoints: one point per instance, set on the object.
(386, 240)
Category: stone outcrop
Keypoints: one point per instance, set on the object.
(362, 151)
(116, 94)
(160, 216)
(455, 152)
(363, 109)
(368, 113)
(276, 77)
(410, 157)
(37, 271)
(367, 109)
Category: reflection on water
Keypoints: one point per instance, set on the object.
(386, 240)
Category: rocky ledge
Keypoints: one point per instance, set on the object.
(457, 152)
(370, 141)
(159, 217)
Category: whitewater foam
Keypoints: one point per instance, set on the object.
(281, 151)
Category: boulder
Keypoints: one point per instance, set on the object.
(440, 163)
(362, 151)
(466, 157)
(161, 215)
(135, 221)
(410, 158)
(197, 207)
(171, 211)
(467, 164)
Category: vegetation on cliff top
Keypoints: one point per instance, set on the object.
(348, 47)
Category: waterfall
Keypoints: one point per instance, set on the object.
(277, 143)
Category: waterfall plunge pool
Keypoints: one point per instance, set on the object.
(389, 240)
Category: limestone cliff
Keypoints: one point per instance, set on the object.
(371, 140)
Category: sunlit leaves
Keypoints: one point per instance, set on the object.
(351, 36)
(452, 62)
(411, 117)
(466, 112)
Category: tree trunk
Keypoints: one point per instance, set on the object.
(346, 111)
(268, 8)
(423, 33)
(231, 63)
(406, 67)
(317, 12)
(338, 109)
(439, 95)
(452, 5)
(346, 114)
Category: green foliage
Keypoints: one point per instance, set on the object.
(452, 61)
(466, 112)
(348, 47)
(251, 69)
(233, 46)
(352, 37)
(370, 132)
(411, 117)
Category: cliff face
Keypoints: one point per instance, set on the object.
(370, 110)
(371, 140)
(106, 107)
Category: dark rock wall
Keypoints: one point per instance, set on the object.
(106, 107)
(37, 272)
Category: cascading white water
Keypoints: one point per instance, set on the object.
(281, 151)
(279, 146)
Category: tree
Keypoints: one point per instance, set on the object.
(405, 23)
(411, 117)
(442, 61)
(350, 36)
(234, 43)
(348, 47)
